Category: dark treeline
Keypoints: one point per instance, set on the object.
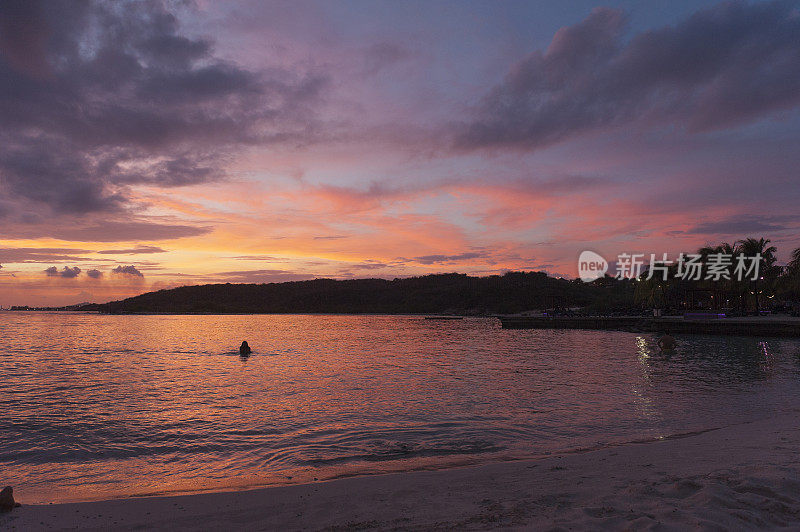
(774, 287)
(443, 293)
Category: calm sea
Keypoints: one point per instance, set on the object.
(107, 406)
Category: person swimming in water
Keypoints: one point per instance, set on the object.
(667, 342)
(244, 349)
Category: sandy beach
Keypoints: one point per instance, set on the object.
(745, 476)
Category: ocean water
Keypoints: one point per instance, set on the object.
(100, 406)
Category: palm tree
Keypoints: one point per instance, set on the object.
(727, 284)
(750, 247)
(794, 263)
(650, 292)
(792, 276)
(724, 248)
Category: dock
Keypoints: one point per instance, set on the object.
(748, 326)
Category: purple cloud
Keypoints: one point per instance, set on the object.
(730, 64)
(23, 36)
(383, 55)
(742, 225)
(127, 270)
(133, 251)
(95, 97)
(443, 259)
(125, 231)
(33, 255)
(94, 274)
(67, 272)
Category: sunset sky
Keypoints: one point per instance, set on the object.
(153, 145)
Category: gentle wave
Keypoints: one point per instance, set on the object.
(105, 406)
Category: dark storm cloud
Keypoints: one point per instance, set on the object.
(133, 251)
(127, 270)
(67, 272)
(98, 96)
(95, 274)
(730, 64)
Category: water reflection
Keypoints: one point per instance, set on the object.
(767, 361)
(647, 408)
(94, 406)
(721, 360)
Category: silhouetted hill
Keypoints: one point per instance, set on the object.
(441, 293)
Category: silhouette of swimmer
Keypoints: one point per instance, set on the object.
(667, 343)
(244, 349)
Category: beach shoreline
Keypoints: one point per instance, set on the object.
(736, 477)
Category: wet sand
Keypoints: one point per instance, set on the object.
(738, 477)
